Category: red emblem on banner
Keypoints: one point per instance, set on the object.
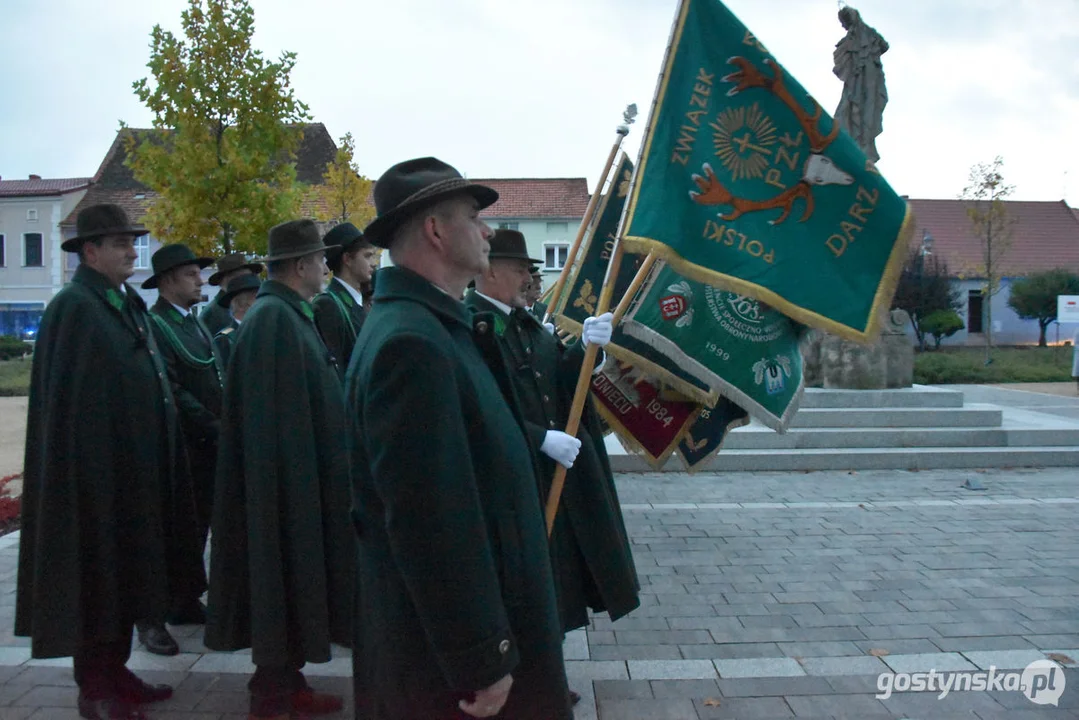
(672, 307)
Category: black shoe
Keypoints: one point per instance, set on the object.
(192, 613)
(132, 689)
(157, 640)
(574, 697)
(108, 708)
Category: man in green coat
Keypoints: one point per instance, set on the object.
(456, 614)
(238, 297)
(339, 311)
(195, 373)
(535, 291)
(97, 549)
(282, 551)
(590, 550)
(215, 315)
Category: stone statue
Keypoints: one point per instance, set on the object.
(830, 361)
(857, 64)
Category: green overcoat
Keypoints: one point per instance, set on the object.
(106, 507)
(590, 549)
(282, 551)
(339, 318)
(454, 574)
(195, 373)
(216, 317)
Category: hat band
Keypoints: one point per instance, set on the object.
(435, 189)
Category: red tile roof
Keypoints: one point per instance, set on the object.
(537, 197)
(40, 187)
(1045, 235)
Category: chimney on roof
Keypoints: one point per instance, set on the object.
(35, 177)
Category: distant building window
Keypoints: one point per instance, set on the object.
(31, 215)
(557, 228)
(142, 247)
(3, 253)
(507, 226)
(554, 255)
(32, 250)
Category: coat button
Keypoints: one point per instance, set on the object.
(481, 327)
(546, 399)
(539, 374)
(504, 647)
(550, 423)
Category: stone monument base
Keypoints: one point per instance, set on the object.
(835, 363)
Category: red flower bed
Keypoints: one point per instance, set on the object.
(10, 507)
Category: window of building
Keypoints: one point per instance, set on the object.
(31, 215)
(554, 255)
(142, 247)
(32, 250)
(3, 253)
(508, 226)
(559, 229)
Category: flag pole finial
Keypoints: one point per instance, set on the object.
(629, 116)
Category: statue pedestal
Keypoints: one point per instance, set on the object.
(834, 363)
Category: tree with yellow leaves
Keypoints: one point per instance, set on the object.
(345, 194)
(226, 128)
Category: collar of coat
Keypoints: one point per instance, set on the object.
(280, 290)
(398, 283)
(100, 285)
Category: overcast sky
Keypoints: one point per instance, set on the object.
(535, 88)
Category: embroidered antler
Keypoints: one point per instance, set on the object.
(749, 76)
(712, 192)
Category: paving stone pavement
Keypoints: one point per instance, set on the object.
(765, 595)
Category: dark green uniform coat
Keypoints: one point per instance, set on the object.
(590, 549)
(223, 343)
(215, 317)
(101, 543)
(454, 574)
(282, 551)
(339, 318)
(195, 373)
(538, 310)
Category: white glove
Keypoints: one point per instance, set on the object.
(560, 447)
(598, 330)
(549, 327)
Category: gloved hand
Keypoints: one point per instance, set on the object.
(549, 327)
(597, 330)
(560, 447)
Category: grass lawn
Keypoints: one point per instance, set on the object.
(15, 377)
(1010, 365)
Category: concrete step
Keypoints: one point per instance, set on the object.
(922, 396)
(758, 437)
(969, 416)
(868, 459)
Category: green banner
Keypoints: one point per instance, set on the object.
(578, 300)
(747, 184)
(741, 349)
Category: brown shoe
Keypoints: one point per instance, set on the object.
(309, 702)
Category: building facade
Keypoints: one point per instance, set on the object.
(547, 211)
(31, 263)
(1039, 236)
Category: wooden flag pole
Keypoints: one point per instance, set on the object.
(580, 394)
(589, 213)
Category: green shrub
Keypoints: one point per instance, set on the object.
(941, 324)
(13, 347)
(1010, 365)
(15, 377)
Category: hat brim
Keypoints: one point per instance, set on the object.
(224, 298)
(511, 256)
(73, 244)
(255, 268)
(298, 253)
(154, 280)
(379, 232)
